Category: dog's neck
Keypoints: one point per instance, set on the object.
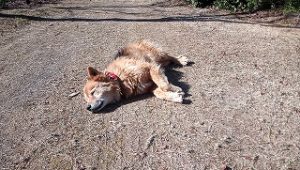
(125, 91)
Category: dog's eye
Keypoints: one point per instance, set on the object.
(92, 92)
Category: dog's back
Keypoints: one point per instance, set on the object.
(146, 51)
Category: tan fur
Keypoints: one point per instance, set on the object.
(139, 67)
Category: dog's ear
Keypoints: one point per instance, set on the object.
(96, 75)
(92, 72)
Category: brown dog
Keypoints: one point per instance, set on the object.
(137, 69)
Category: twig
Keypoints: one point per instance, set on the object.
(73, 94)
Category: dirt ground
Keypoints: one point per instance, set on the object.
(242, 108)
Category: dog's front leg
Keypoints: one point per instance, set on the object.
(169, 95)
(164, 89)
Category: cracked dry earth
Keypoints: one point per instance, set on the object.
(242, 108)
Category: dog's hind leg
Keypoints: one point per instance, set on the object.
(181, 60)
(164, 89)
(155, 54)
(165, 59)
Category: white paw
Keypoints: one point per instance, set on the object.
(176, 97)
(183, 60)
(175, 88)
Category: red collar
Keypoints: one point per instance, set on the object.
(111, 76)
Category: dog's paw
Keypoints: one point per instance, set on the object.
(183, 60)
(176, 97)
(175, 88)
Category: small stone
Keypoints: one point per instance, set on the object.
(61, 110)
(191, 151)
(218, 146)
(228, 140)
(227, 168)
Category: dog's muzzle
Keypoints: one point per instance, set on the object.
(95, 107)
(89, 107)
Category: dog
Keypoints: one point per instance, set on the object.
(138, 68)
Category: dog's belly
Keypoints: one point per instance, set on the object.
(134, 75)
(136, 85)
(144, 87)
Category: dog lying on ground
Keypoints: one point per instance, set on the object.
(137, 69)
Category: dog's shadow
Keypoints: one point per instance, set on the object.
(174, 77)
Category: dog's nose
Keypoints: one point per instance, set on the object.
(89, 107)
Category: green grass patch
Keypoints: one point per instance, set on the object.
(2, 3)
(292, 6)
(289, 6)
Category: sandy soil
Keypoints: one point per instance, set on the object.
(243, 103)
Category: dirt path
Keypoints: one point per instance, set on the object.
(242, 111)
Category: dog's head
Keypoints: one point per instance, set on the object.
(100, 89)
